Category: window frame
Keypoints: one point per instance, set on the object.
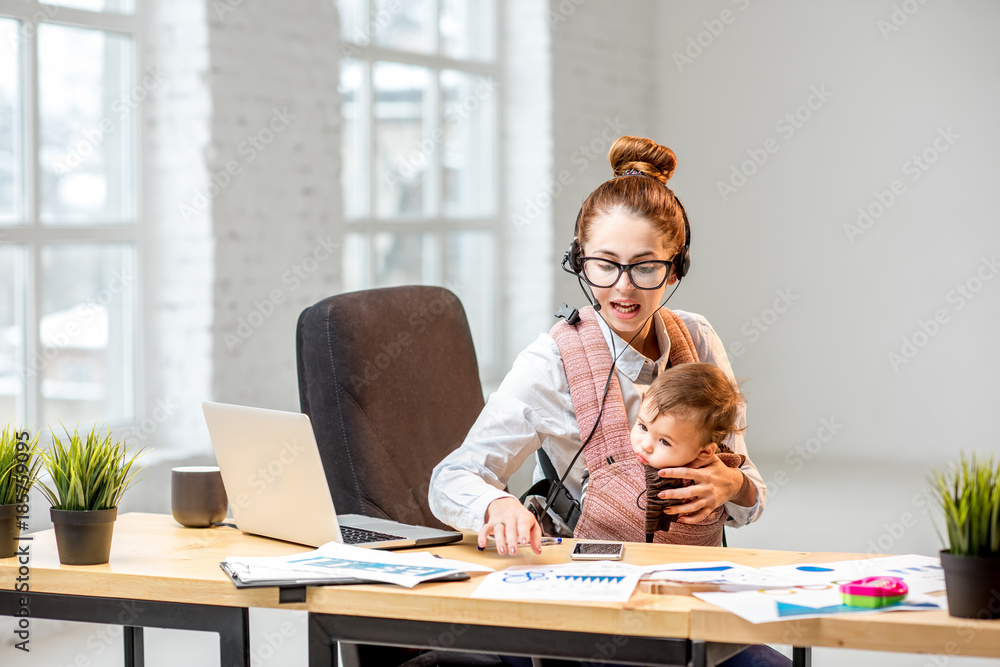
(31, 235)
(438, 224)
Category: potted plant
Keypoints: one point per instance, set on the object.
(19, 464)
(969, 495)
(88, 477)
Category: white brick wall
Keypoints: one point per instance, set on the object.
(241, 157)
(603, 60)
(526, 146)
(276, 118)
(178, 268)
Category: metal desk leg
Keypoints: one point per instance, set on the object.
(320, 644)
(234, 639)
(134, 653)
(802, 656)
(231, 623)
(699, 654)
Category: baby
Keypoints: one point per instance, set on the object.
(684, 416)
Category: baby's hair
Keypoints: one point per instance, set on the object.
(698, 391)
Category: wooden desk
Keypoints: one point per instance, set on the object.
(175, 571)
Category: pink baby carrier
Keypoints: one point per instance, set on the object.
(614, 508)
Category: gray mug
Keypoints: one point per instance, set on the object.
(197, 496)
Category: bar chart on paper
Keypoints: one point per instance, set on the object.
(600, 581)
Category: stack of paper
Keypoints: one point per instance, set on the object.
(815, 591)
(334, 561)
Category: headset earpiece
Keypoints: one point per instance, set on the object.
(572, 260)
(682, 260)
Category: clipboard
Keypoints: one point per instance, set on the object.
(294, 590)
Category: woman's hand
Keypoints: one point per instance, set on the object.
(714, 484)
(511, 525)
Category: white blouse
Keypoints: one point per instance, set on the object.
(532, 408)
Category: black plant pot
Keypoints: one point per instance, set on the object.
(973, 585)
(9, 531)
(83, 537)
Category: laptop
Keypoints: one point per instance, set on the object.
(277, 488)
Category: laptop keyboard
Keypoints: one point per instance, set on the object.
(362, 536)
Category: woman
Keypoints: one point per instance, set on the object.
(630, 247)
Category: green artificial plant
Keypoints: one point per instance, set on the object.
(88, 473)
(969, 495)
(19, 465)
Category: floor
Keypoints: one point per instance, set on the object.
(833, 507)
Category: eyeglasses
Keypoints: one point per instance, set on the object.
(600, 272)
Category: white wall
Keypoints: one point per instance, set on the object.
(603, 74)
(853, 296)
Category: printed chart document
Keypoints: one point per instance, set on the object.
(727, 576)
(816, 593)
(334, 561)
(601, 581)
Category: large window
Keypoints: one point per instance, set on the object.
(420, 99)
(70, 90)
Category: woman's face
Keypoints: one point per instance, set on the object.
(627, 239)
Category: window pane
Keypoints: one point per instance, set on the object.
(116, 6)
(407, 26)
(355, 262)
(467, 158)
(88, 110)
(13, 369)
(354, 146)
(403, 156)
(11, 156)
(470, 273)
(354, 24)
(87, 333)
(404, 259)
(467, 29)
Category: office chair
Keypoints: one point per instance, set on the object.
(390, 380)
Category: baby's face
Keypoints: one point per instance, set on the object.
(667, 441)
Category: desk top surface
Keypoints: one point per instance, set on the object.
(154, 558)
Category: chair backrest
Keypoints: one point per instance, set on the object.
(390, 381)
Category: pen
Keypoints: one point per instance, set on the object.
(546, 541)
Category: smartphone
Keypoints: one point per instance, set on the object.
(598, 551)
